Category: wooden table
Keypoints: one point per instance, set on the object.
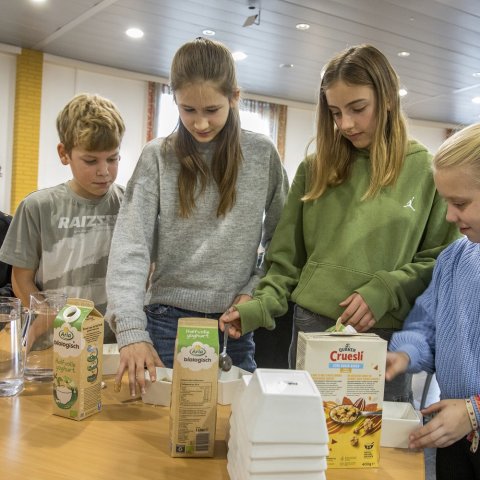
(128, 440)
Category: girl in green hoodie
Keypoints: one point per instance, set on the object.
(363, 223)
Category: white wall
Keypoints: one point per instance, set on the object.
(60, 84)
(300, 131)
(431, 134)
(8, 67)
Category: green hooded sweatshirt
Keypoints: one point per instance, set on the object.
(383, 247)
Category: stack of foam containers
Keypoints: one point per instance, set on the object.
(277, 428)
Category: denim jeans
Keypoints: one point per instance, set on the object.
(397, 390)
(162, 321)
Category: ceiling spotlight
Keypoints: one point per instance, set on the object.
(239, 56)
(402, 92)
(403, 54)
(476, 74)
(302, 26)
(209, 33)
(476, 99)
(134, 33)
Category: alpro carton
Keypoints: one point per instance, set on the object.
(77, 360)
(193, 410)
(349, 371)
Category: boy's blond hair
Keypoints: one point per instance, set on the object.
(91, 122)
(461, 150)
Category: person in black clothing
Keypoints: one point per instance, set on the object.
(5, 269)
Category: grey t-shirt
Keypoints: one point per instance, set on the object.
(66, 240)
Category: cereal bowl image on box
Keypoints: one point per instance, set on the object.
(65, 392)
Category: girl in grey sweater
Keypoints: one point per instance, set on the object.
(199, 205)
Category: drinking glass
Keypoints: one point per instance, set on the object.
(38, 335)
(11, 358)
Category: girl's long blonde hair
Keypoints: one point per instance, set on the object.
(204, 60)
(331, 163)
(461, 150)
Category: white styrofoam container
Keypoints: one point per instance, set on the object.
(159, 392)
(282, 406)
(229, 384)
(399, 419)
(111, 359)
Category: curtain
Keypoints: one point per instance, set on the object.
(275, 114)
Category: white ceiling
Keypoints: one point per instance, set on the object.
(442, 36)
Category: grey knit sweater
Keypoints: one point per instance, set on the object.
(201, 263)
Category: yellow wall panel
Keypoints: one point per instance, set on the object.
(26, 130)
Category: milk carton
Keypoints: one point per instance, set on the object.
(77, 360)
(193, 410)
(349, 371)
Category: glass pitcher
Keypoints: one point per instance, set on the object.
(11, 358)
(38, 335)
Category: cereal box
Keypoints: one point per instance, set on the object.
(349, 371)
(77, 360)
(193, 410)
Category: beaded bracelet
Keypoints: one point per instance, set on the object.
(474, 436)
(477, 401)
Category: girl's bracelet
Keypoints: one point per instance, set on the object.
(474, 436)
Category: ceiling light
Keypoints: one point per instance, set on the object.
(302, 26)
(402, 92)
(134, 33)
(286, 65)
(403, 54)
(209, 33)
(238, 56)
(38, 1)
(476, 74)
(476, 99)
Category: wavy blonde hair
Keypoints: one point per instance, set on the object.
(91, 122)
(204, 60)
(461, 150)
(331, 163)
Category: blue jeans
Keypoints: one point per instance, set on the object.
(162, 323)
(397, 390)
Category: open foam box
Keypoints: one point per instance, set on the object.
(159, 392)
(111, 358)
(229, 383)
(399, 419)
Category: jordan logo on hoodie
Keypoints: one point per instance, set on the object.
(409, 204)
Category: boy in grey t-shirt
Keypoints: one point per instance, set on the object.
(59, 239)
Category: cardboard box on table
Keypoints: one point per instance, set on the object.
(193, 410)
(349, 372)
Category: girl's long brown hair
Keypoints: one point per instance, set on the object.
(331, 163)
(204, 60)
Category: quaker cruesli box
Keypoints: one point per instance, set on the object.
(349, 372)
